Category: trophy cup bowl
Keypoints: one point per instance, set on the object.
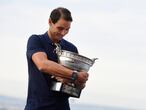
(73, 61)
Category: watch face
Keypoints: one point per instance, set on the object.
(74, 75)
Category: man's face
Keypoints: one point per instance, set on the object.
(59, 29)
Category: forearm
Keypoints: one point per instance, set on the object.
(50, 67)
(62, 73)
(55, 69)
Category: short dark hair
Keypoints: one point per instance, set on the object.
(60, 12)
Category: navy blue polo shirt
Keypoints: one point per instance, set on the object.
(40, 97)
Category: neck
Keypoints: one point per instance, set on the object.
(51, 37)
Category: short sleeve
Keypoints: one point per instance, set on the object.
(75, 50)
(34, 45)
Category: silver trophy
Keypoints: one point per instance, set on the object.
(72, 61)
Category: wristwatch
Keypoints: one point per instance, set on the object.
(74, 75)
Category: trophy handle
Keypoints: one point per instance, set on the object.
(93, 59)
(58, 49)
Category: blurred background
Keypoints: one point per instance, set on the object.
(112, 30)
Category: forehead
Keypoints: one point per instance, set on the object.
(63, 23)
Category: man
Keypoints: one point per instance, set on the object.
(43, 64)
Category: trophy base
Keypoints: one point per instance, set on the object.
(64, 88)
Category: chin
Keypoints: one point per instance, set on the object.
(59, 38)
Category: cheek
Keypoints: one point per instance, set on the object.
(54, 31)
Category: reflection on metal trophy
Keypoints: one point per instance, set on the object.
(73, 61)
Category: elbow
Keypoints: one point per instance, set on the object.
(42, 67)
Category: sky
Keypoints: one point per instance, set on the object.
(111, 30)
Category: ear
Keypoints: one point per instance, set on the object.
(49, 21)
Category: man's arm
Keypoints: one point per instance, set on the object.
(47, 66)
